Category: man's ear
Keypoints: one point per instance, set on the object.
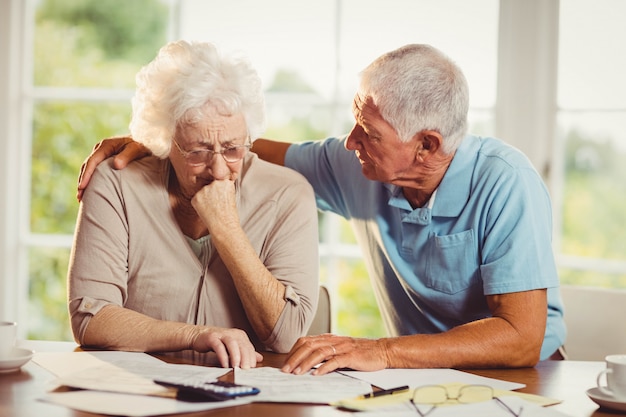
(429, 143)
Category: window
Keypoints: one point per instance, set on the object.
(70, 66)
(77, 77)
(591, 144)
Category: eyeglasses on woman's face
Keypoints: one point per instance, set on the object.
(198, 157)
(435, 395)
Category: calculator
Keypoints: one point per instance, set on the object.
(197, 391)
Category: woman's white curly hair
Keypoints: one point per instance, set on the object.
(178, 85)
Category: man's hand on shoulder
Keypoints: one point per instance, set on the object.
(124, 149)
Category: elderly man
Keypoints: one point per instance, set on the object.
(456, 228)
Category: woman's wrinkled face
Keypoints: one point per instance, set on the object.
(216, 133)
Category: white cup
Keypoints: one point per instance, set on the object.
(615, 377)
(8, 336)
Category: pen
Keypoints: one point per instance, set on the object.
(389, 391)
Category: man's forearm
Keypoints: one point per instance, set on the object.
(486, 343)
(270, 150)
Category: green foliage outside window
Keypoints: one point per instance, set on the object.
(47, 311)
(120, 31)
(594, 201)
(64, 134)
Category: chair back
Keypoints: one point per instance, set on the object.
(322, 321)
(595, 322)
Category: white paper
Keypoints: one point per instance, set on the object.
(111, 378)
(63, 363)
(137, 377)
(390, 378)
(132, 405)
(123, 372)
(277, 386)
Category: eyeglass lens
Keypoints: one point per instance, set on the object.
(203, 156)
(232, 154)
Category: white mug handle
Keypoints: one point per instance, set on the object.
(604, 389)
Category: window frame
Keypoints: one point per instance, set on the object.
(13, 135)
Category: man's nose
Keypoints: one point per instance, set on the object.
(353, 142)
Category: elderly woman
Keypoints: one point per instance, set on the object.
(201, 246)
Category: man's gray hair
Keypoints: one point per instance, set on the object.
(417, 87)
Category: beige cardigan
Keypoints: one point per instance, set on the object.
(129, 251)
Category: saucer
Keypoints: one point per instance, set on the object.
(606, 400)
(18, 358)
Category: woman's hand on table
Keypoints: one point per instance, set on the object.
(232, 347)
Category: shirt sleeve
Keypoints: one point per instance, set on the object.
(319, 161)
(98, 268)
(517, 250)
(290, 252)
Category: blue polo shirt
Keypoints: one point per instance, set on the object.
(487, 230)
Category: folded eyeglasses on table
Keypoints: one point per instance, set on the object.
(434, 396)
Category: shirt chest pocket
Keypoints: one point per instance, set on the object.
(452, 263)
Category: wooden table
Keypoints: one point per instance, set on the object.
(565, 380)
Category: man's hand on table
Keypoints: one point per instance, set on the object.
(335, 352)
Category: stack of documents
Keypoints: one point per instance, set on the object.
(277, 386)
(121, 383)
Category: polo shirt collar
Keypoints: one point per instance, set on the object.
(453, 191)
(455, 187)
